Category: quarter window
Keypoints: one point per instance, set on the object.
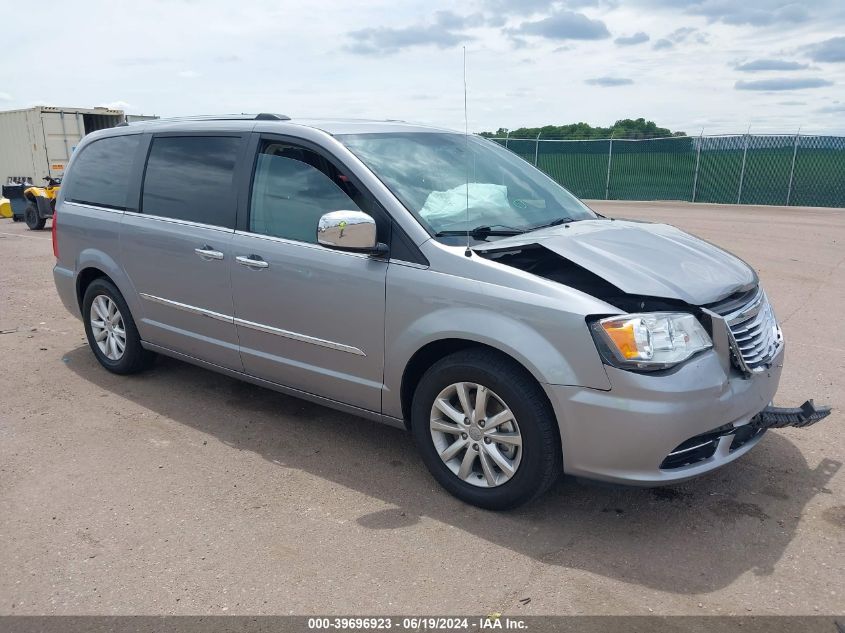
(292, 188)
(191, 178)
(101, 173)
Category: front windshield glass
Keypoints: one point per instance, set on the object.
(429, 172)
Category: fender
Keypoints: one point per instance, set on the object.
(554, 345)
(42, 198)
(94, 258)
(30, 193)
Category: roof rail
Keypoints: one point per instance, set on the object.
(263, 116)
(269, 116)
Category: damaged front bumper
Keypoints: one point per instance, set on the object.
(702, 447)
(779, 417)
(660, 429)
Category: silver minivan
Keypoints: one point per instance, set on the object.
(426, 279)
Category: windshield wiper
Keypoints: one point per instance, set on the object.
(480, 232)
(555, 222)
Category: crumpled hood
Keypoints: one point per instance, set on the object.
(655, 260)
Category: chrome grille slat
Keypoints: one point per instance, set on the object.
(755, 335)
(748, 328)
(749, 325)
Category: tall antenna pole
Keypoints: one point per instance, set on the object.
(468, 252)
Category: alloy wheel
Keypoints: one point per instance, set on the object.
(107, 327)
(476, 434)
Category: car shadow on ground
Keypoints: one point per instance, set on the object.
(690, 538)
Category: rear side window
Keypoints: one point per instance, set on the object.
(101, 173)
(190, 178)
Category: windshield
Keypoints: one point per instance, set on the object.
(432, 175)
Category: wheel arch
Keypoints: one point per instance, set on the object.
(84, 279)
(432, 352)
(93, 263)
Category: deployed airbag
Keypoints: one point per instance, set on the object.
(452, 204)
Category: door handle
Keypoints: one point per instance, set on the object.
(253, 261)
(208, 253)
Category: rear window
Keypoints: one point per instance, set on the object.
(100, 174)
(190, 178)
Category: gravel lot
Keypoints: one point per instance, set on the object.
(182, 491)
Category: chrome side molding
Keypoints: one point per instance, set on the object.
(299, 337)
(187, 308)
(260, 327)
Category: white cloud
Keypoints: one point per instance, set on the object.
(609, 82)
(117, 105)
(784, 83)
(632, 40)
(295, 58)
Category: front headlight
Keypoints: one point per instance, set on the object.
(651, 340)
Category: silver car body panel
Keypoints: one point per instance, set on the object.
(652, 260)
(159, 256)
(333, 304)
(623, 435)
(341, 328)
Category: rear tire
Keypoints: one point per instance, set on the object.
(452, 385)
(111, 330)
(30, 214)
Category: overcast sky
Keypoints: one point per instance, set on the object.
(721, 65)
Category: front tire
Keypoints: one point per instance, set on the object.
(111, 330)
(486, 430)
(30, 214)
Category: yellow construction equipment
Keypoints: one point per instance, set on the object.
(41, 203)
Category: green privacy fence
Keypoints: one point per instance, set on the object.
(739, 169)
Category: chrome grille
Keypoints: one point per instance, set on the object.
(755, 335)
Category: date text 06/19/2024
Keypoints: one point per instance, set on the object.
(421, 623)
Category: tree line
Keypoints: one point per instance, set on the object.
(623, 128)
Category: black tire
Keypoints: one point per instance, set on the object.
(30, 214)
(135, 358)
(541, 460)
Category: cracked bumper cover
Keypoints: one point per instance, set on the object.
(800, 417)
(625, 434)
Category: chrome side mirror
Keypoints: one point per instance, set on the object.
(349, 231)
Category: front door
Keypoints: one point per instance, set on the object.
(307, 317)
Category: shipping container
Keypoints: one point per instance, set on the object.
(39, 141)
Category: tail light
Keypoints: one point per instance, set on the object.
(53, 234)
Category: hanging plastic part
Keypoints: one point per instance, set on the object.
(779, 417)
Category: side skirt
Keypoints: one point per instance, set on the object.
(289, 391)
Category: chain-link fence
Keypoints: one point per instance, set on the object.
(793, 170)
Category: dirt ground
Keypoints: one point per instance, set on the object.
(182, 491)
